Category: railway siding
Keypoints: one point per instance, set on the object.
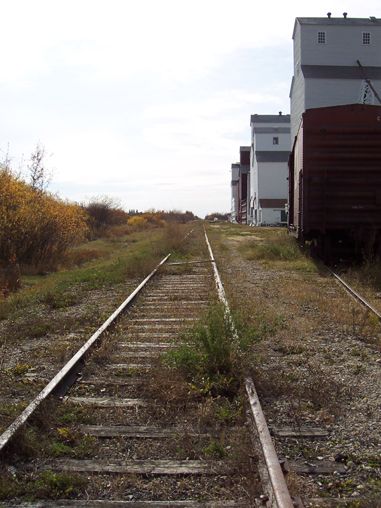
(134, 429)
(316, 366)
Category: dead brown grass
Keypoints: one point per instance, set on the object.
(78, 257)
(313, 390)
(168, 386)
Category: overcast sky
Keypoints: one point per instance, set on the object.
(146, 101)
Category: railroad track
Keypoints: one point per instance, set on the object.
(303, 436)
(312, 437)
(355, 295)
(141, 451)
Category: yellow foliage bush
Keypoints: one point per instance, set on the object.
(137, 222)
(146, 220)
(36, 227)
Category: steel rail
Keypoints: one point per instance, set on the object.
(68, 371)
(217, 278)
(279, 496)
(356, 295)
(278, 493)
(220, 289)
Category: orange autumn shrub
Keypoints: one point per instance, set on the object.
(154, 219)
(36, 227)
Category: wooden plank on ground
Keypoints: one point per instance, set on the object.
(110, 381)
(154, 335)
(132, 504)
(141, 345)
(306, 432)
(128, 366)
(136, 354)
(107, 401)
(316, 467)
(152, 467)
(136, 431)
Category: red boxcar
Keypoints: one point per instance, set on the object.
(335, 178)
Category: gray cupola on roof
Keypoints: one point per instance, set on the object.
(269, 119)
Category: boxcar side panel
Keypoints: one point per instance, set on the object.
(340, 166)
(296, 184)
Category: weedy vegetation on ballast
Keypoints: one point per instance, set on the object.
(212, 356)
(275, 247)
(208, 356)
(368, 274)
(48, 485)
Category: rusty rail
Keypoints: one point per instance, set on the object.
(69, 372)
(274, 481)
(356, 295)
(277, 490)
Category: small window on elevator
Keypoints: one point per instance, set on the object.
(366, 38)
(321, 37)
(275, 140)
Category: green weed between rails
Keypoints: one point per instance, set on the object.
(214, 450)
(50, 433)
(211, 357)
(208, 357)
(68, 442)
(48, 485)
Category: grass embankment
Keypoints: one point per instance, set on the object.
(94, 265)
